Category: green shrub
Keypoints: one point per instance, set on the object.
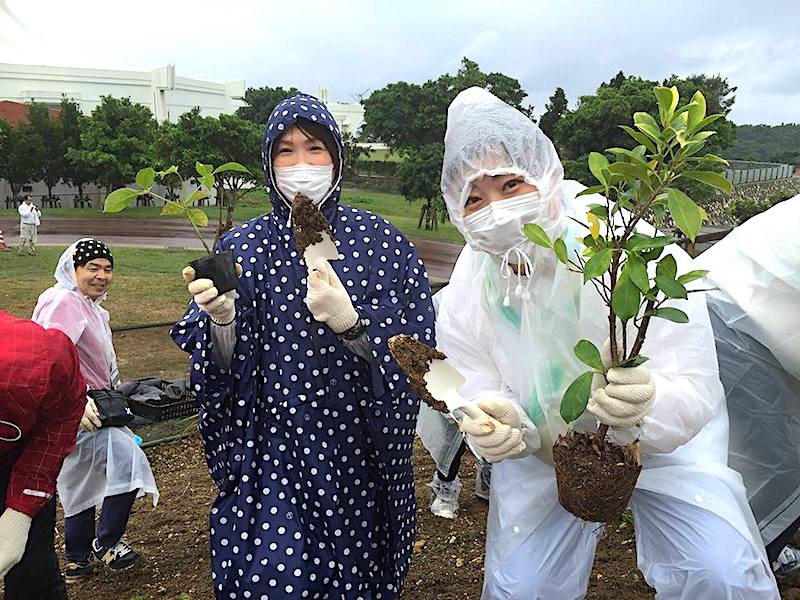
(744, 208)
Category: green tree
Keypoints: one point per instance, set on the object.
(778, 143)
(554, 110)
(116, 141)
(236, 140)
(76, 171)
(412, 118)
(24, 151)
(50, 131)
(261, 102)
(418, 178)
(192, 138)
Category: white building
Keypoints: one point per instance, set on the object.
(167, 95)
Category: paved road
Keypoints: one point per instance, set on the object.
(439, 257)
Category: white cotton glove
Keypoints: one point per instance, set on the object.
(624, 396)
(90, 421)
(328, 301)
(498, 434)
(14, 528)
(220, 307)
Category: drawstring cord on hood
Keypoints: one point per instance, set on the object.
(507, 272)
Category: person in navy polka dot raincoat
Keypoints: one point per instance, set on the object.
(308, 437)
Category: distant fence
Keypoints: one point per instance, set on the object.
(744, 171)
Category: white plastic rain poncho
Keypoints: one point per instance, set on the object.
(755, 311)
(105, 462)
(523, 352)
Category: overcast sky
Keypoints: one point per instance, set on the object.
(357, 46)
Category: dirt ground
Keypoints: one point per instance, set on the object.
(448, 556)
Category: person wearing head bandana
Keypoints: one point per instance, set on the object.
(106, 468)
(508, 321)
(307, 422)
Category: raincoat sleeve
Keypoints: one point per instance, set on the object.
(458, 336)
(683, 364)
(399, 302)
(33, 478)
(214, 385)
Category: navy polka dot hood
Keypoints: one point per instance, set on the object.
(286, 114)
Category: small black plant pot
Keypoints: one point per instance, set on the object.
(219, 268)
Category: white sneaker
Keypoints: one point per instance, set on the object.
(445, 501)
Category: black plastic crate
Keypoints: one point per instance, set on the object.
(162, 411)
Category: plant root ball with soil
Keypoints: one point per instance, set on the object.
(595, 478)
(308, 223)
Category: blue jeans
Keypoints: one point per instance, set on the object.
(79, 529)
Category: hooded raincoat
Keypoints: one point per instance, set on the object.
(309, 443)
(755, 311)
(108, 461)
(518, 347)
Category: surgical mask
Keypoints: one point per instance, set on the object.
(311, 181)
(498, 230)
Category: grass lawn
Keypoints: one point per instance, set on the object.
(381, 155)
(147, 288)
(393, 207)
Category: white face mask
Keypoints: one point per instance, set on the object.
(314, 182)
(496, 228)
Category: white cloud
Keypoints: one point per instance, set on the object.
(361, 45)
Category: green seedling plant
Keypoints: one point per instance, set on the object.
(185, 206)
(624, 265)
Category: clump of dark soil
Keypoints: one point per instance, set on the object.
(595, 477)
(414, 358)
(308, 223)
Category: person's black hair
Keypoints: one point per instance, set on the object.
(314, 130)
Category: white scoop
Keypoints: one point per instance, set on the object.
(316, 254)
(443, 381)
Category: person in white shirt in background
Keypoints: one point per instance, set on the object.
(30, 218)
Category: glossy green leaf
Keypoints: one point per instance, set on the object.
(633, 361)
(667, 99)
(146, 177)
(598, 162)
(576, 397)
(625, 298)
(597, 265)
(641, 138)
(588, 354)
(692, 276)
(645, 242)
(697, 109)
(119, 200)
(688, 217)
(595, 189)
(537, 235)
(670, 287)
(667, 267)
(168, 171)
(637, 271)
(560, 248)
(670, 314)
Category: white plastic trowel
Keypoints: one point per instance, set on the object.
(432, 377)
(443, 381)
(316, 254)
(312, 234)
